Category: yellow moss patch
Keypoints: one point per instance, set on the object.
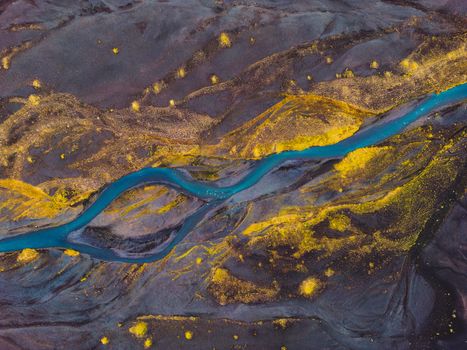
(181, 73)
(10, 53)
(188, 335)
(309, 287)
(71, 252)
(224, 40)
(21, 200)
(229, 289)
(171, 205)
(27, 255)
(135, 106)
(6, 62)
(258, 226)
(357, 160)
(409, 65)
(115, 50)
(409, 206)
(374, 65)
(147, 343)
(34, 100)
(281, 322)
(436, 65)
(299, 143)
(139, 329)
(214, 79)
(295, 123)
(138, 198)
(22, 188)
(105, 340)
(339, 223)
(348, 73)
(36, 84)
(296, 231)
(157, 87)
(329, 272)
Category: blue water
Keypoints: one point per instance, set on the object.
(57, 236)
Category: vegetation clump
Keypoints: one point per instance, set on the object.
(228, 289)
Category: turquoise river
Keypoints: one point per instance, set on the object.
(213, 194)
